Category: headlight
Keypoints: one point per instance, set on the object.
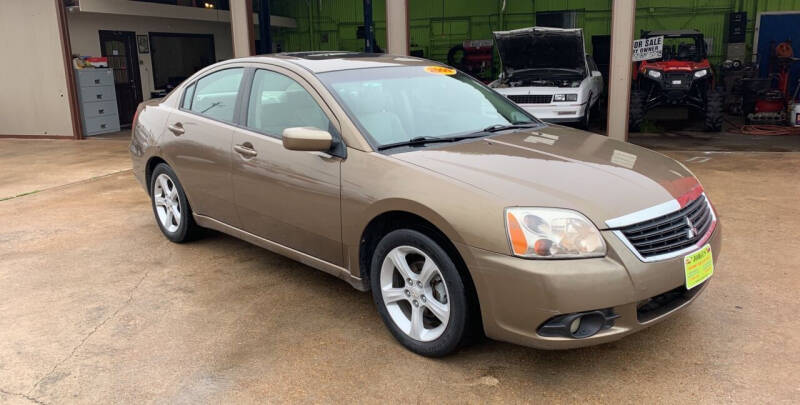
(700, 73)
(552, 233)
(655, 74)
(565, 97)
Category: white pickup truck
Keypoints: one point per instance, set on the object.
(548, 73)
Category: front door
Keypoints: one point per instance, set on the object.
(289, 197)
(120, 49)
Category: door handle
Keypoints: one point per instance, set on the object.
(246, 150)
(176, 128)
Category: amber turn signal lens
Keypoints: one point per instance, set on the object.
(518, 242)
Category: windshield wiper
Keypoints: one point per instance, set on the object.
(423, 140)
(501, 127)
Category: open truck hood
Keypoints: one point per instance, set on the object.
(541, 48)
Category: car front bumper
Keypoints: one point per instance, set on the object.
(556, 113)
(517, 295)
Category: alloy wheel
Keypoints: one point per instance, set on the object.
(414, 293)
(167, 202)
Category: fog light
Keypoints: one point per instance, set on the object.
(588, 325)
(573, 327)
(578, 325)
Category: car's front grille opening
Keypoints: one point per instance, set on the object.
(531, 98)
(671, 232)
(653, 307)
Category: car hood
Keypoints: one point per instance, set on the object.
(541, 48)
(555, 166)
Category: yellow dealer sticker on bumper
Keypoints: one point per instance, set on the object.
(699, 266)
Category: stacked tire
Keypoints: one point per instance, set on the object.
(715, 104)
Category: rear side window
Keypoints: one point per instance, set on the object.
(215, 95)
(278, 102)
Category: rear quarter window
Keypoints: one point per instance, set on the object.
(186, 103)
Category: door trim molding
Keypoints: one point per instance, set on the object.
(274, 247)
(134, 72)
(66, 51)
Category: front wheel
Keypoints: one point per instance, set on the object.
(419, 293)
(584, 122)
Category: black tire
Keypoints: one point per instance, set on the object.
(451, 55)
(715, 105)
(638, 109)
(457, 329)
(185, 228)
(586, 120)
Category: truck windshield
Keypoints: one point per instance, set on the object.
(393, 105)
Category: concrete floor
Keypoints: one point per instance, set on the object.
(97, 307)
(671, 129)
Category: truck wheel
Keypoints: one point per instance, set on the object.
(584, 122)
(638, 109)
(714, 109)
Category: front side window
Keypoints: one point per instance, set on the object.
(278, 102)
(397, 104)
(215, 94)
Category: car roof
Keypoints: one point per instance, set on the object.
(328, 61)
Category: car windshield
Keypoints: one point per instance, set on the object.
(393, 105)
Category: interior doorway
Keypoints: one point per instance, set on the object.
(177, 56)
(120, 49)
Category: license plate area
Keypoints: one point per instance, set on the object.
(698, 266)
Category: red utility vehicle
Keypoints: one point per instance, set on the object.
(681, 77)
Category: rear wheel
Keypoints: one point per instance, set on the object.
(419, 293)
(171, 209)
(638, 109)
(714, 109)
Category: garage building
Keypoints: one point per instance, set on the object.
(151, 45)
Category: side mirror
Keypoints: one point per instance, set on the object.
(307, 138)
(596, 73)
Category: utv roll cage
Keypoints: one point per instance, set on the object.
(696, 52)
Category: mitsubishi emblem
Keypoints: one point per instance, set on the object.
(692, 232)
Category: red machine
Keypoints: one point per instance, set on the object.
(474, 58)
(771, 105)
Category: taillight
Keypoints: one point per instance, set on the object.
(135, 119)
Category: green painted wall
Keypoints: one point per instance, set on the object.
(437, 25)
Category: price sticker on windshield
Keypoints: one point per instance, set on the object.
(440, 70)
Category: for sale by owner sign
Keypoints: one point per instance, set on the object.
(647, 48)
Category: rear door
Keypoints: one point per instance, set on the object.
(198, 143)
(289, 197)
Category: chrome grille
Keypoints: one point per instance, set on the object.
(671, 232)
(531, 98)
